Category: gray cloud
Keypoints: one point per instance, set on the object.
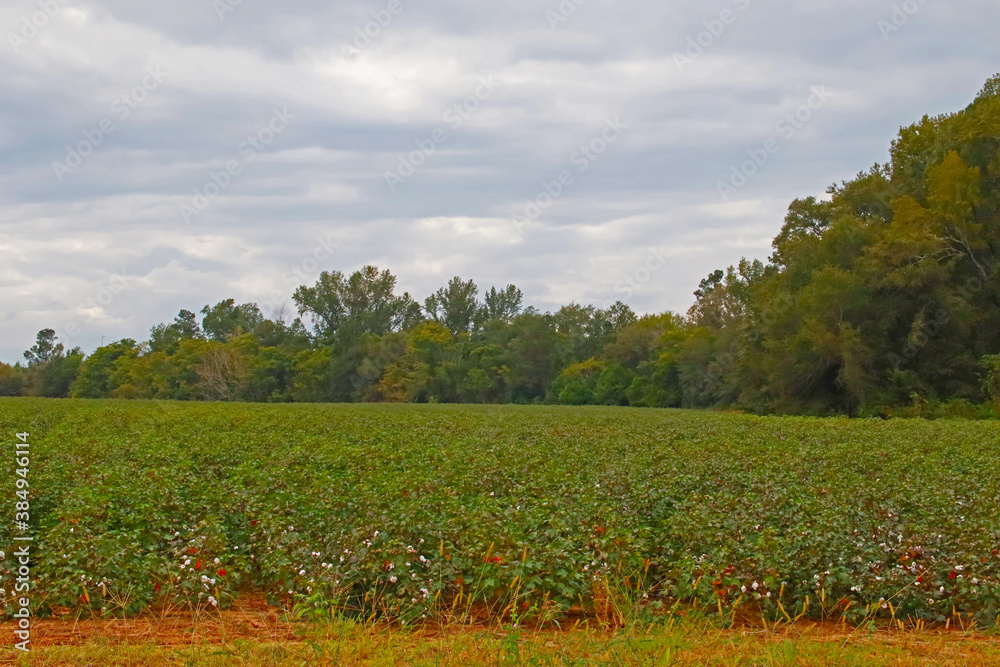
(321, 181)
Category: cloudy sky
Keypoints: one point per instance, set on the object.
(159, 156)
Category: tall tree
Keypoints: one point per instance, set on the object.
(11, 379)
(454, 306)
(346, 308)
(45, 348)
(504, 304)
(227, 318)
(94, 379)
(167, 337)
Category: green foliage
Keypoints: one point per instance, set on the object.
(427, 371)
(612, 385)
(502, 305)
(577, 382)
(991, 383)
(45, 348)
(395, 510)
(885, 289)
(226, 319)
(51, 371)
(167, 337)
(11, 380)
(94, 378)
(454, 306)
(345, 308)
(991, 90)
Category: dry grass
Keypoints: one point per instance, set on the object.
(253, 635)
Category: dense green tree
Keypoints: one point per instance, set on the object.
(612, 385)
(227, 318)
(577, 382)
(488, 377)
(51, 370)
(531, 355)
(12, 379)
(271, 375)
(429, 371)
(57, 376)
(277, 333)
(346, 308)
(991, 379)
(503, 305)
(167, 337)
(94, 379)
(45, 348)
(454, 306)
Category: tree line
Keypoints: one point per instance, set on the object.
(879, 299)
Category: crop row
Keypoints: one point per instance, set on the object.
(399, 510)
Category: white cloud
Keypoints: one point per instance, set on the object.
(321, 183)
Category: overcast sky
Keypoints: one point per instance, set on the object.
(159, 156)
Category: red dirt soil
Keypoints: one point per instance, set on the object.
(251, 618)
